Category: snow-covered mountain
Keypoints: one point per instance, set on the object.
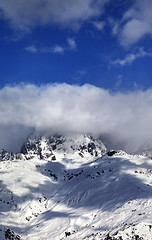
(70, 187)
(82, 145)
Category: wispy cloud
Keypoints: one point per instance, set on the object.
(57, 49)
(71, 43)
(114, 25)
(124, 117)
(130, 58)
(119, 81)
(70, 46)
(99, 25)
(32, 49)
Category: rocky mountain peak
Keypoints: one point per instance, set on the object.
(48, 147)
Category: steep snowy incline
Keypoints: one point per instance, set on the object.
(70, 188)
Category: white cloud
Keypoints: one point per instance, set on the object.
(130, 58)
(24, 15)
(31, 49)
(99, 25)
(114, 25)
(136, 23)
(119, 81)
(125, 118)
(57, 49)
(72, 43)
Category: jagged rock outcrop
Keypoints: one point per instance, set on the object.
(11, 235)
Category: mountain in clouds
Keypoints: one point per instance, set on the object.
(70, 187)
(82, 145)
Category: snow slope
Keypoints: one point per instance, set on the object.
(70, 188)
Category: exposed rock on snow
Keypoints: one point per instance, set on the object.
(11, 235)
(46, 147)
(70, 188)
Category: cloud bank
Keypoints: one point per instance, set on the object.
(24, 15)
(125, 118)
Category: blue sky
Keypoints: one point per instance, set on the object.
(105, 43)
(74, 66)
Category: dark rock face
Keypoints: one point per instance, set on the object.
(11, 235)
(92, 148)
(53, 158)
(67, 234)
(108, 237)
(111, 153)
(5, 156)
(33, 147)
(24, 149)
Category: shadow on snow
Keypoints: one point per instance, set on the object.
(105, 184)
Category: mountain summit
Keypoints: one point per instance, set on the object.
(82, 145)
